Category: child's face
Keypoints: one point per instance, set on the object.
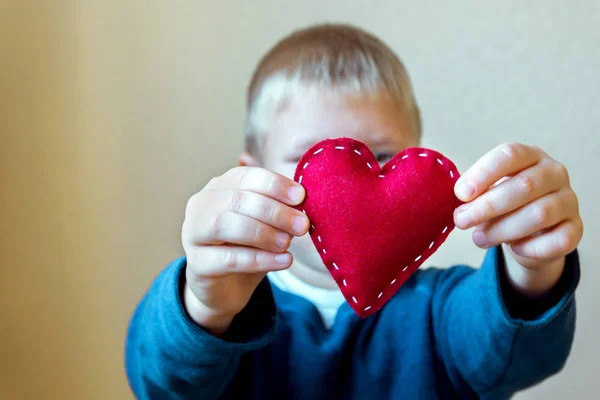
(377, 121)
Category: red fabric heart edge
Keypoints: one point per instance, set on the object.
(402, 276)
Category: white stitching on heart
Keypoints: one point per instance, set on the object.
(380, 176)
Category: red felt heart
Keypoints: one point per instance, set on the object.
(372, 226)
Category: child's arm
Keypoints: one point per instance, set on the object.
(205, 311)
(168, 356)
(511, 324)
(492, 340)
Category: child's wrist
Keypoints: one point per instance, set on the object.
(212, 322)
(531, 282)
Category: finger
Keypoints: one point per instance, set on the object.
(269, 211)
(505, 160)
(512, 193)
(558, 242)
(265, 182)
(221, 260)
(230, 227)
(541, 214)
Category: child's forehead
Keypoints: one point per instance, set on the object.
(302, 121)
(374, 113)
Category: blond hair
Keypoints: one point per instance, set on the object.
(341, 58)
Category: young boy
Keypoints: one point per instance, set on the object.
(213, 325)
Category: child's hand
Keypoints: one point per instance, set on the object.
(532, 209)
(237, 229)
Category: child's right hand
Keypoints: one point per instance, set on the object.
(236, 229)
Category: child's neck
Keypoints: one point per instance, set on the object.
(314, 276)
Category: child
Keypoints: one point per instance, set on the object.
(213, 325)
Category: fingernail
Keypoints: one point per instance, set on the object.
(295, 193)
(465, 190)
(463, 218)
(281, 240)
(282, 258)
(299, 224)
(479, 239)
(517, 248)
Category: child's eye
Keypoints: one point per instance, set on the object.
(382, 158)
(293, 159)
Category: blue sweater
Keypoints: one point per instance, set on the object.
(447, 333)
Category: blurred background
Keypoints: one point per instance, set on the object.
(112, 113)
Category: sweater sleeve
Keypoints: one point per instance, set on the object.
(168, 356)
(494, 342)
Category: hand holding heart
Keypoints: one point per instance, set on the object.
(374, 226)
(519, 196)
(236, 229)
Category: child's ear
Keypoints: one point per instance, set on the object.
(247, 160)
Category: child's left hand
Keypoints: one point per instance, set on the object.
(519, 196)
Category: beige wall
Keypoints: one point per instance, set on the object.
(113, 112)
